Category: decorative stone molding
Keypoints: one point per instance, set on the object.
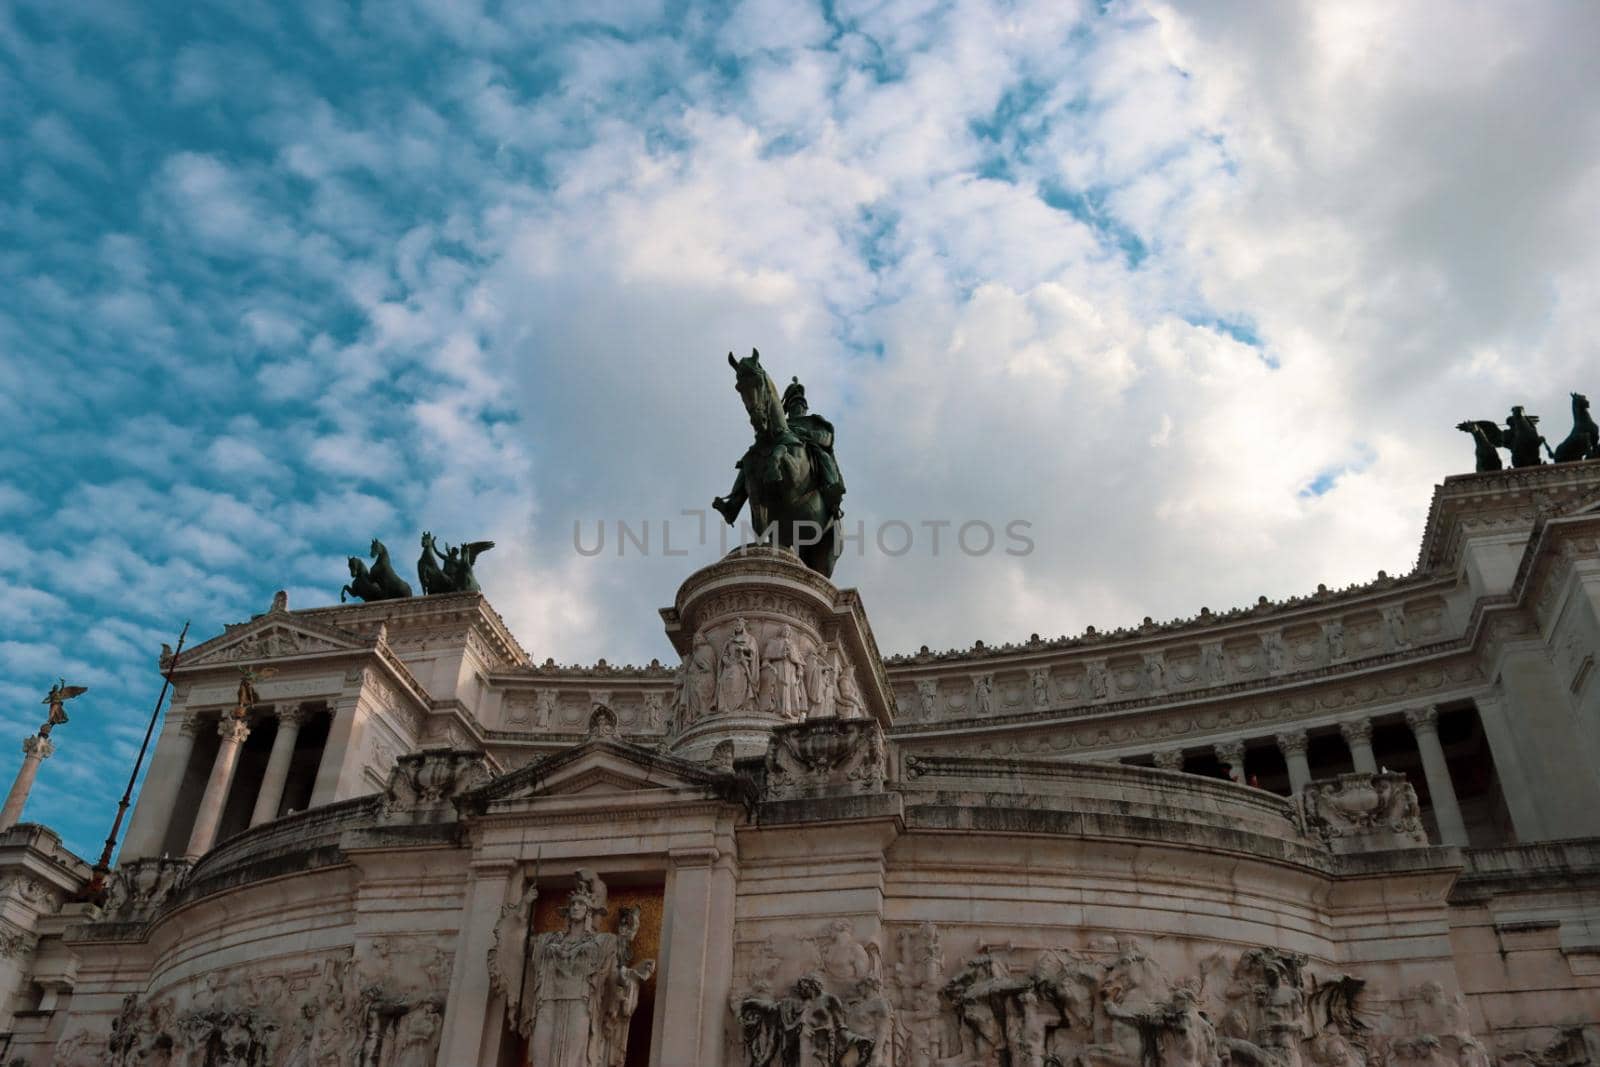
(825, 757)
(1364, 812)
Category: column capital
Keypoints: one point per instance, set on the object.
(1425, 719)
(231, 729)
(1356, 731)
(1231, 753)
(38, 747)
(1170, 759)
(295, 714)
(1292, 742)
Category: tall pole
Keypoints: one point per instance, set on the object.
(97, 883)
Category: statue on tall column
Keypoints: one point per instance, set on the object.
(788, 475)
(571, 992)
(59, 694)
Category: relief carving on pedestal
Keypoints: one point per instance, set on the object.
(571, 992)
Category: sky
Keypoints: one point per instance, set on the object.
(1197, 292)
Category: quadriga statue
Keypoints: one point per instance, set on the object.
(573, 991)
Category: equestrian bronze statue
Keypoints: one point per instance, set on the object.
(788, 476)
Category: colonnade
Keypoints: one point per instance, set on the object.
(1357, 734)
(163, 794)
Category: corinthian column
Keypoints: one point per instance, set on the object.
(1424, 723)
(276, 777)
(233, 732)
(35, 750)
(1293, 746)
(1231, 755)
(1358, 736)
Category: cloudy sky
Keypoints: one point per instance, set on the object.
(1198, 291)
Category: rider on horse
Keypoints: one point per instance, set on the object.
(817, 434)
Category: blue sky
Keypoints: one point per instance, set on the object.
(1197, 291)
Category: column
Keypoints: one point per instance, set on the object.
(339, 773)
(474, 1014)
(1516, 784)
(1231, 755)
(1293, 746)
(35, 750)
(276, 776)
(233, 732)
(1424, 723)
(1358, 735)
(696, 960)
(1170, 759)
(158, 798)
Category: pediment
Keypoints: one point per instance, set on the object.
(273, 636)
(610, 767)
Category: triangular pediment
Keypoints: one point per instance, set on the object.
(273, 636)
(609, 767)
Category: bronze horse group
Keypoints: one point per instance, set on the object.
(449, 571)
(1520, 436)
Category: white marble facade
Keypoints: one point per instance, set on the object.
(1355, 828)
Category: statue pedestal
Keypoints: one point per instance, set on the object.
(766, 641)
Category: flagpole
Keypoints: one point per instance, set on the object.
(97, 883)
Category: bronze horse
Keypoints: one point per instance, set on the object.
(379, 583)
(1584, 440)
(777, 477)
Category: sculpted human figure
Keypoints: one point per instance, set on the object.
(821, 684)
(788, 476)
(451, 570)
(700, 688)
(580, 985)
(788, 663)
(1522, 438)
(850, 704)
(737, 678)
(59, 694)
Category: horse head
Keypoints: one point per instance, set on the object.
(358, 569)
(377, 548)
(760, 395)
(1579, 403)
